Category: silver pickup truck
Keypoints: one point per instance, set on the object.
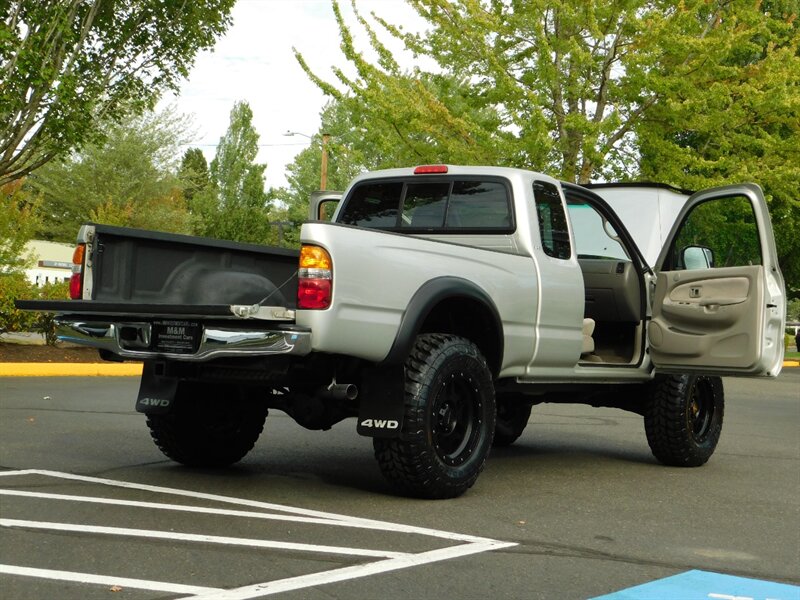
(437, 307)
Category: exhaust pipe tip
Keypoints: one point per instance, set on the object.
(342, 391)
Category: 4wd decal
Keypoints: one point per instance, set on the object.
(151, 405)
(380, 423)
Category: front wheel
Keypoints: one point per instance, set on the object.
(208, 426)
(449, 420)
(683, 420)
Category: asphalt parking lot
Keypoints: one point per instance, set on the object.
(577, 508)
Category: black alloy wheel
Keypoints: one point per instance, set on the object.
(683, 418)
(449, 420)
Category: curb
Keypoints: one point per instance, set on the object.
(111, 369)
(70, 369)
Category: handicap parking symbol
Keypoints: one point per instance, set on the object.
(704, 585)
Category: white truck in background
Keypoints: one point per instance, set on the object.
(437, 307)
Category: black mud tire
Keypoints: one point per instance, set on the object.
(683, 419)
(449, 420)
(208, 426)
(513, 413)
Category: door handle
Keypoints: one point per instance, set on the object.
(721, 301)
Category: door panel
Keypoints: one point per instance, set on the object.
(707, 314)
(719, 304)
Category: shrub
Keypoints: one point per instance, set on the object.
(44, 323)
(14, 286)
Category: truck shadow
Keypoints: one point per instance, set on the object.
(556, 452)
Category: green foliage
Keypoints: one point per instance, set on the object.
(44, 323)
(727, 227)
(350, 150)
(793, 310)
(695, 93)
(731, 108)
(545, 84)
(239, 179)
(68, 65)
(401, 118)
(235, 206)
(18, 221)
(193, 173)
(14, 286)
(128, 179)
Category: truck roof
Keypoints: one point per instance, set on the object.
(648, 209)
(509, 172)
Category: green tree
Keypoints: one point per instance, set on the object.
(793, 311)
(350, 150)
(547, 84)
(400, 118)
(703, 92)
(127, 179)
(239, 178)
(235, 206)
(18, 222)
(68, 65)
(193, 173)
(735, 115)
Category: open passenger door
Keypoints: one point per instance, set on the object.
(720, 302)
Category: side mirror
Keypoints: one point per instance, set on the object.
(322, 205)
(697, 257)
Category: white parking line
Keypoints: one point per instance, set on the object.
(391, 561)
(384, 566)
(194, 537)
(249, 514)
(125, 582)
(329, 518)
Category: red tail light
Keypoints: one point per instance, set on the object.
(430, 169)
(76, 281)
(314, 279)
(314, 294)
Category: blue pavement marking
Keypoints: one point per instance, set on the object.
(703, 585)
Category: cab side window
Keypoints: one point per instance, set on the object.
(718, 233)
(553, 228)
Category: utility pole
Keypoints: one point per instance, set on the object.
(323, 180)
(326, 137)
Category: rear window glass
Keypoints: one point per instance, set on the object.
(446, 205)
(424, 204)
(373, 206)
(475, 204)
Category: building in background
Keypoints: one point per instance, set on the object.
(51, 262)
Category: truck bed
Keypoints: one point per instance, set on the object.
(151, 293)
(147, 268)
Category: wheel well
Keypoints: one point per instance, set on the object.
(471, 319)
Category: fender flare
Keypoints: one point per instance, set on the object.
(422, 303)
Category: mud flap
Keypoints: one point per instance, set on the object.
(156, 394)
(381, 402)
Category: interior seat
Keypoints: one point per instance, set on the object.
(587, 343)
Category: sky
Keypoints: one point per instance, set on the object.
(254, 61)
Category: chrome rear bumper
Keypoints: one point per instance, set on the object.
(133, 340)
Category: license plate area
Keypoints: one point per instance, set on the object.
(176, 337)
